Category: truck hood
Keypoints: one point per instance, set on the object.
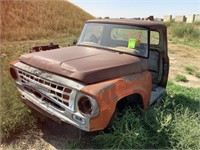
(85, 64)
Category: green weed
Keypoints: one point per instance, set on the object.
(126, 133)
(185, 30)
(184, 131)
(187, 34)
(193, 71)
(197, 74)
(172, 125)
(180, 77)
(190, 69)
(169, 23)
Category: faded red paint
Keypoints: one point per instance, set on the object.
(75, 62)
(108, 93)
(13, 62)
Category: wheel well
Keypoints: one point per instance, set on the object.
(132, 101)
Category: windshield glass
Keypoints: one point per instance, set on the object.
(121, 38)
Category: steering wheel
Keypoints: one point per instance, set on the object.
(93, 38)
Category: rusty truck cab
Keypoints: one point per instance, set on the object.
(118, 36)
(114, 63)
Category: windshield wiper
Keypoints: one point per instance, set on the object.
(99, 47)
(104, 48)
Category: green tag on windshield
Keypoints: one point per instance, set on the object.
(131, 43)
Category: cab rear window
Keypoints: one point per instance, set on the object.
(154, 38)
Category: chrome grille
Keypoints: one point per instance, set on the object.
(55, 91)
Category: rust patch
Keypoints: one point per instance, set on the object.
(131, 78)
(108, 93)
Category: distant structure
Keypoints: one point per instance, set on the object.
(197, 18)
(137, 18)
(190, 18)
(180, 19)
(167, 18)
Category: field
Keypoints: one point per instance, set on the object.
(172, 124)
(169, 125)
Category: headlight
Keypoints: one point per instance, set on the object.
(13, 73)
(84, 105)
(87, 106)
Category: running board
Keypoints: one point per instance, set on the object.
(157, 94)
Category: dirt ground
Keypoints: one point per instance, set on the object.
(51, 136)
(182, 56)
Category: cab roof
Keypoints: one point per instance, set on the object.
(139, 23)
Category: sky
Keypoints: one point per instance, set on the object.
(138, 8)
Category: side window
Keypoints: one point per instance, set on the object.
(154, 38)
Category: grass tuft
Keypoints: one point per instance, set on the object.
(185, 130)
(197, 74)
(190, 69)
(193, 71)
(126, 133)
(180, 77)
(172, 125)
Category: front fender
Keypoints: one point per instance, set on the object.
(108, 93)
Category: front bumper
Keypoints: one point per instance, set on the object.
(48, 110)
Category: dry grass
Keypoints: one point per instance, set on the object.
(184, 33)
(27, 20)
(55, 21)
(15, 116)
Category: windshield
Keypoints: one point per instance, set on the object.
(121, 38)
